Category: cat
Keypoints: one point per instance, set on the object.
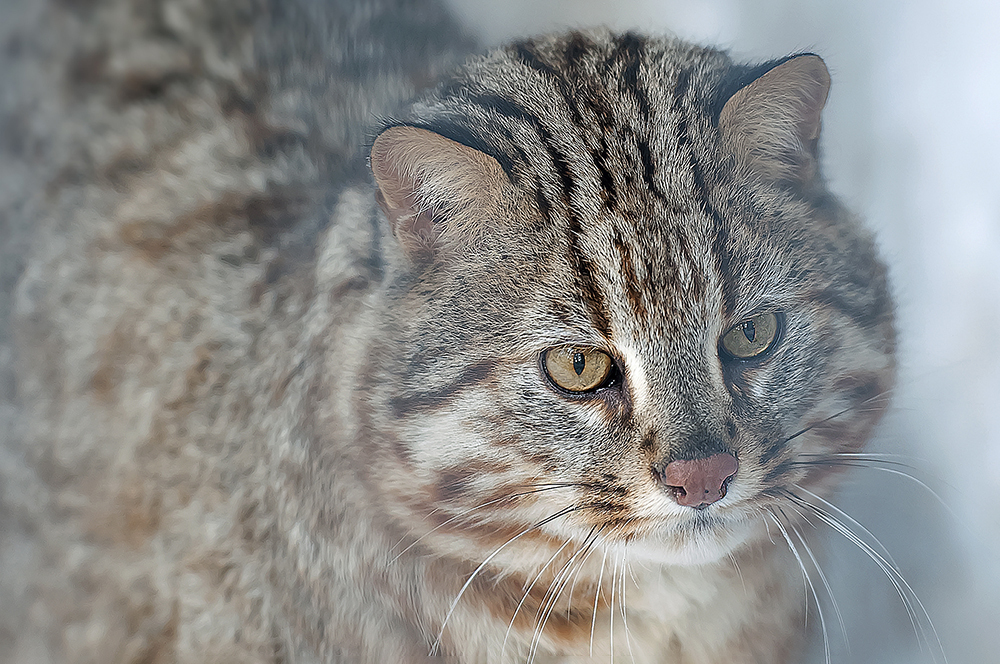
(326, 354)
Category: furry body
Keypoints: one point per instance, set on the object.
(262, 419)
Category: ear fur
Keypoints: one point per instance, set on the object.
(773, 122)
(432, 189)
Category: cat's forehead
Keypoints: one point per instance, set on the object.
(613, 140)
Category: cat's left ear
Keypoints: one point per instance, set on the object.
(434, 190)
(773, 122)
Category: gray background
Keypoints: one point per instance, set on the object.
(911, 138)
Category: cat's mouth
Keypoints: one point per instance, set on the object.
(695, 537)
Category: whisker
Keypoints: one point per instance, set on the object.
(482, 565)
(921, 621)
(844, 456)
(739, 572)
(855, 539)
(624, 609)
(576, 573)
(853, 521)
(528, 592)
(871, 463)
(547, 605)
(535, 488)
(822, 576)
(597, 594)
(868, 455)
(611, 612)
(631, 574)
(812, 589)
(885, 394)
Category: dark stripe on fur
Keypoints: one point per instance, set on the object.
(590, 290)
(649, 169)
(576, 49)
(865, 314)
(506, 108)
(773, 451)
(423, 401)
(720, 250)
(584, 268)
(633, 289)
(630, 49)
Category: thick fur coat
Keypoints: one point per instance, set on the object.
(275, 361)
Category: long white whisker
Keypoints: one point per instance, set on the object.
(859, 461)
(579, 568)
(624, 609)
(874, 456)
(611, 611)
(576, 573)
(826, 584)
(739, 572)
(482, 565)
(501, 499)
(819, 607)
(886, 568)
(547, 605)
(527, 592)
(923, 485)
(852, 520)
(597, 594)
(911, 601)
(858, 407)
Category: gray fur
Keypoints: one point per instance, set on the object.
(256, 421)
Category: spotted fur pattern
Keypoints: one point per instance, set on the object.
(273, 409)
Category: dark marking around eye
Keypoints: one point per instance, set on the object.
(579, 363)
(749, 331)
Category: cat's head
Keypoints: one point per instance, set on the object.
(625, 306)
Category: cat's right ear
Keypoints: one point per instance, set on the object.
(772, 123)
(434, 191)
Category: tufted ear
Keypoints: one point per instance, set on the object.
(773, 122)
(432, 189)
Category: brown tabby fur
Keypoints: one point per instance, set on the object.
(278, 404)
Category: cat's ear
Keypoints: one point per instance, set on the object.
(434, 190)
(773, 122)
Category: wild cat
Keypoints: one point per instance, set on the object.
(550, 363)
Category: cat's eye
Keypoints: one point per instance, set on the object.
(577, 369)
(751, 337)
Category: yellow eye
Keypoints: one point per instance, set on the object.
(577, 369)
(751, 337)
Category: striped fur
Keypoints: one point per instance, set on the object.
(283, 411)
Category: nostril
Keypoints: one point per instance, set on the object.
(700, 482)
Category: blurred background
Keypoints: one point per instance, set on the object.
(911, 141)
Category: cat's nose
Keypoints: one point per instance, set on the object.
(698, 483)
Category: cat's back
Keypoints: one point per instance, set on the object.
(166, 169)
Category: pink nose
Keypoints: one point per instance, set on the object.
(700, 482)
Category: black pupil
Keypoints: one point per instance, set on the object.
(579, 362)
(749, 331)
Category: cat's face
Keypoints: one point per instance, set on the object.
(622, 291)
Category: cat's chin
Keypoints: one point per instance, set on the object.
(701, 541)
